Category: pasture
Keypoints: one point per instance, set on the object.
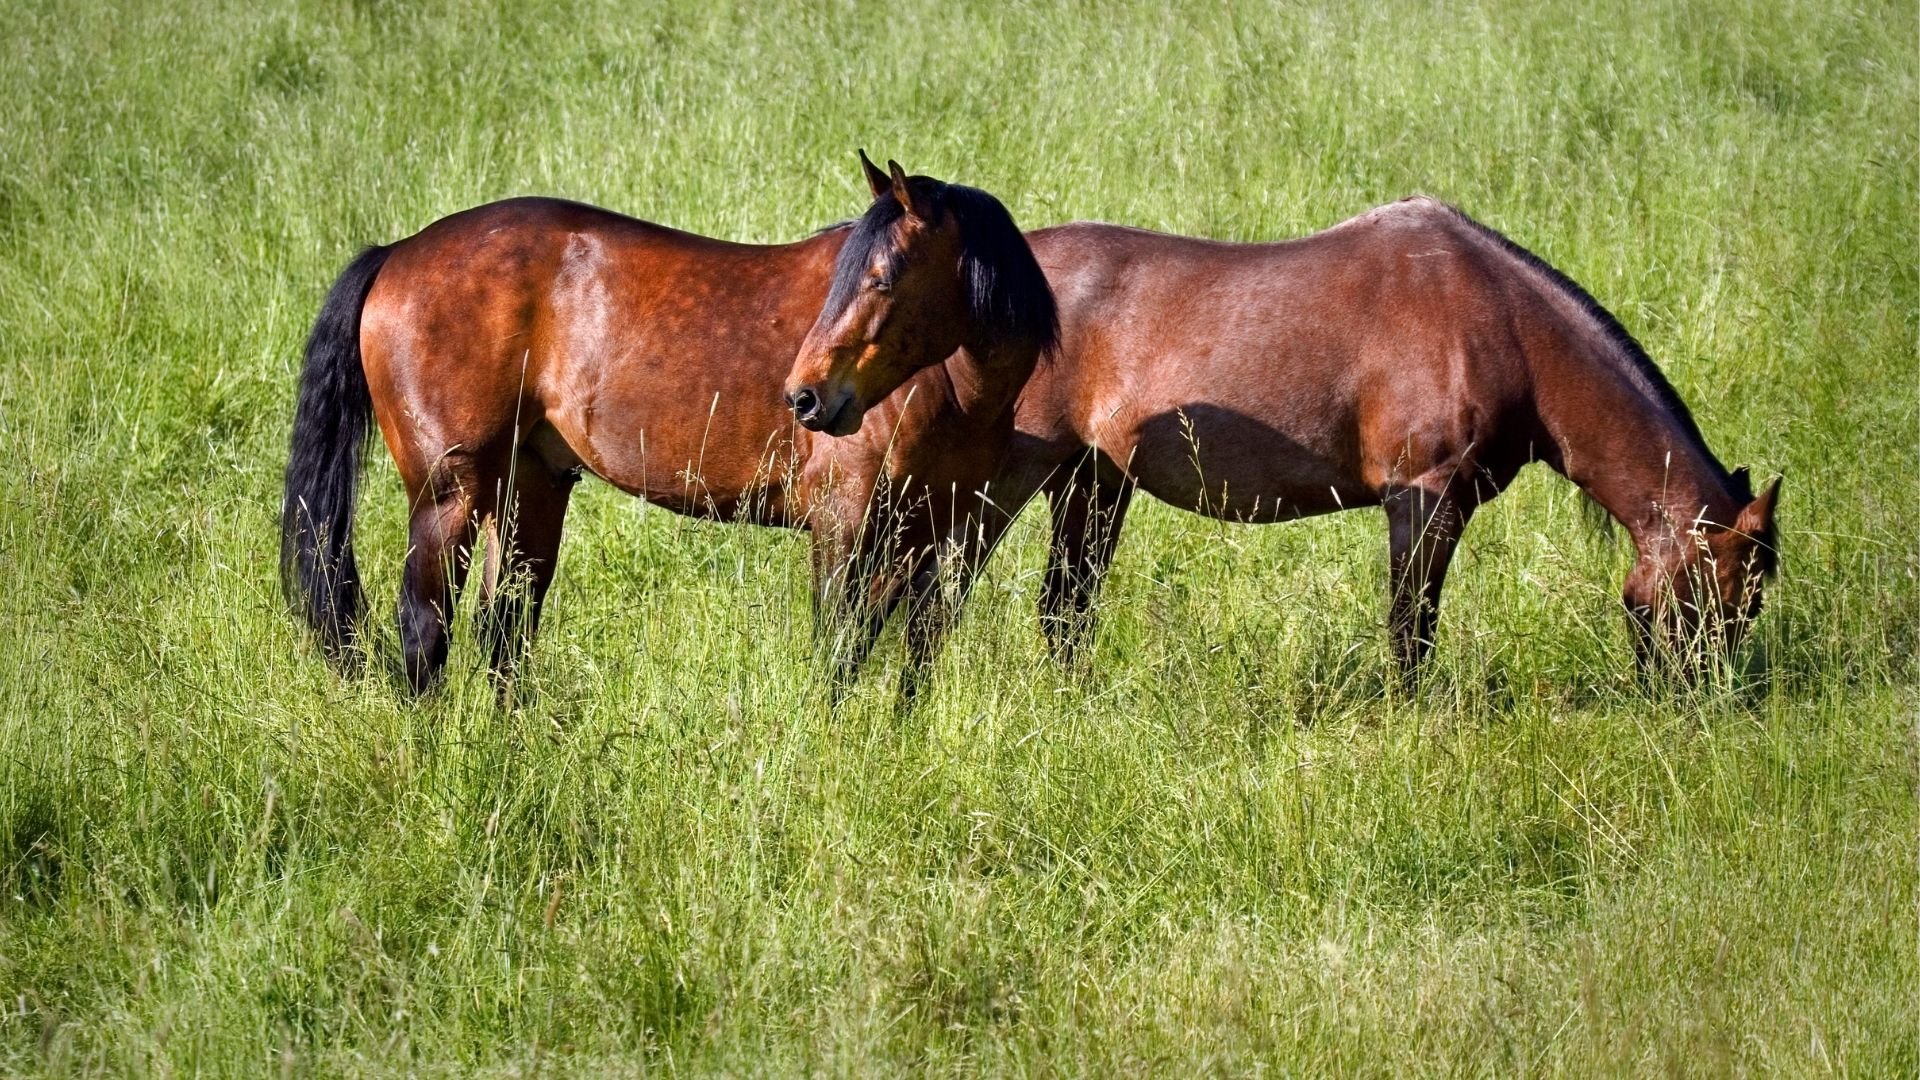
(1225, 848)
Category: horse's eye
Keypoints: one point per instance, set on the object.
(880, 285)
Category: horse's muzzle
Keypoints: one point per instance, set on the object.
(814, 414)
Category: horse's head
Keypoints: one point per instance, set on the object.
(1698, 593)
(928, 269)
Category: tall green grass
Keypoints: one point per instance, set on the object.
(1225, 850)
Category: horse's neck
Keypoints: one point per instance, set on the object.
(987, 380)
(1625, 447)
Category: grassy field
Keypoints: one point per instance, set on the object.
(1225, 851)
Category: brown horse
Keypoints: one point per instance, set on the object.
(1410, 358)
(505, 349)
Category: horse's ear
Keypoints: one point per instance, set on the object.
(1756, 518)
(1742, 482)
(877, 181)
(900, 188)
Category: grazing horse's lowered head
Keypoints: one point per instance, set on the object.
(1696, 588)
(929, 269)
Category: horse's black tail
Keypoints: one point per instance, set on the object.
(317, 570)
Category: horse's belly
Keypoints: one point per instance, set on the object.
(720, 476)
(1251, 494)
(1225, 465)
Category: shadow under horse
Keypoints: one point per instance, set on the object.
(506, 349)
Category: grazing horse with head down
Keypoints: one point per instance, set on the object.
(1411, 359)
(506, 349)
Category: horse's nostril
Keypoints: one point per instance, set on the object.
(804, 402)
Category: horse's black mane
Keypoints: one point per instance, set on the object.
(1007, 293)
(1649, 375)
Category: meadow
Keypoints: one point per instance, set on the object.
(1226, 848)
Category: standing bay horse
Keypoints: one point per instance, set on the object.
(504, 349)
(1411, 359)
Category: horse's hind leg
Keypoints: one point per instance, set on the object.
(522, 555)
(1089, 503)
(439, 544)
(1424, 524)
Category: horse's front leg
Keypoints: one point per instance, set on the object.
(938, 590)
(873, 589)
(856, 585)
(1424, 524)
